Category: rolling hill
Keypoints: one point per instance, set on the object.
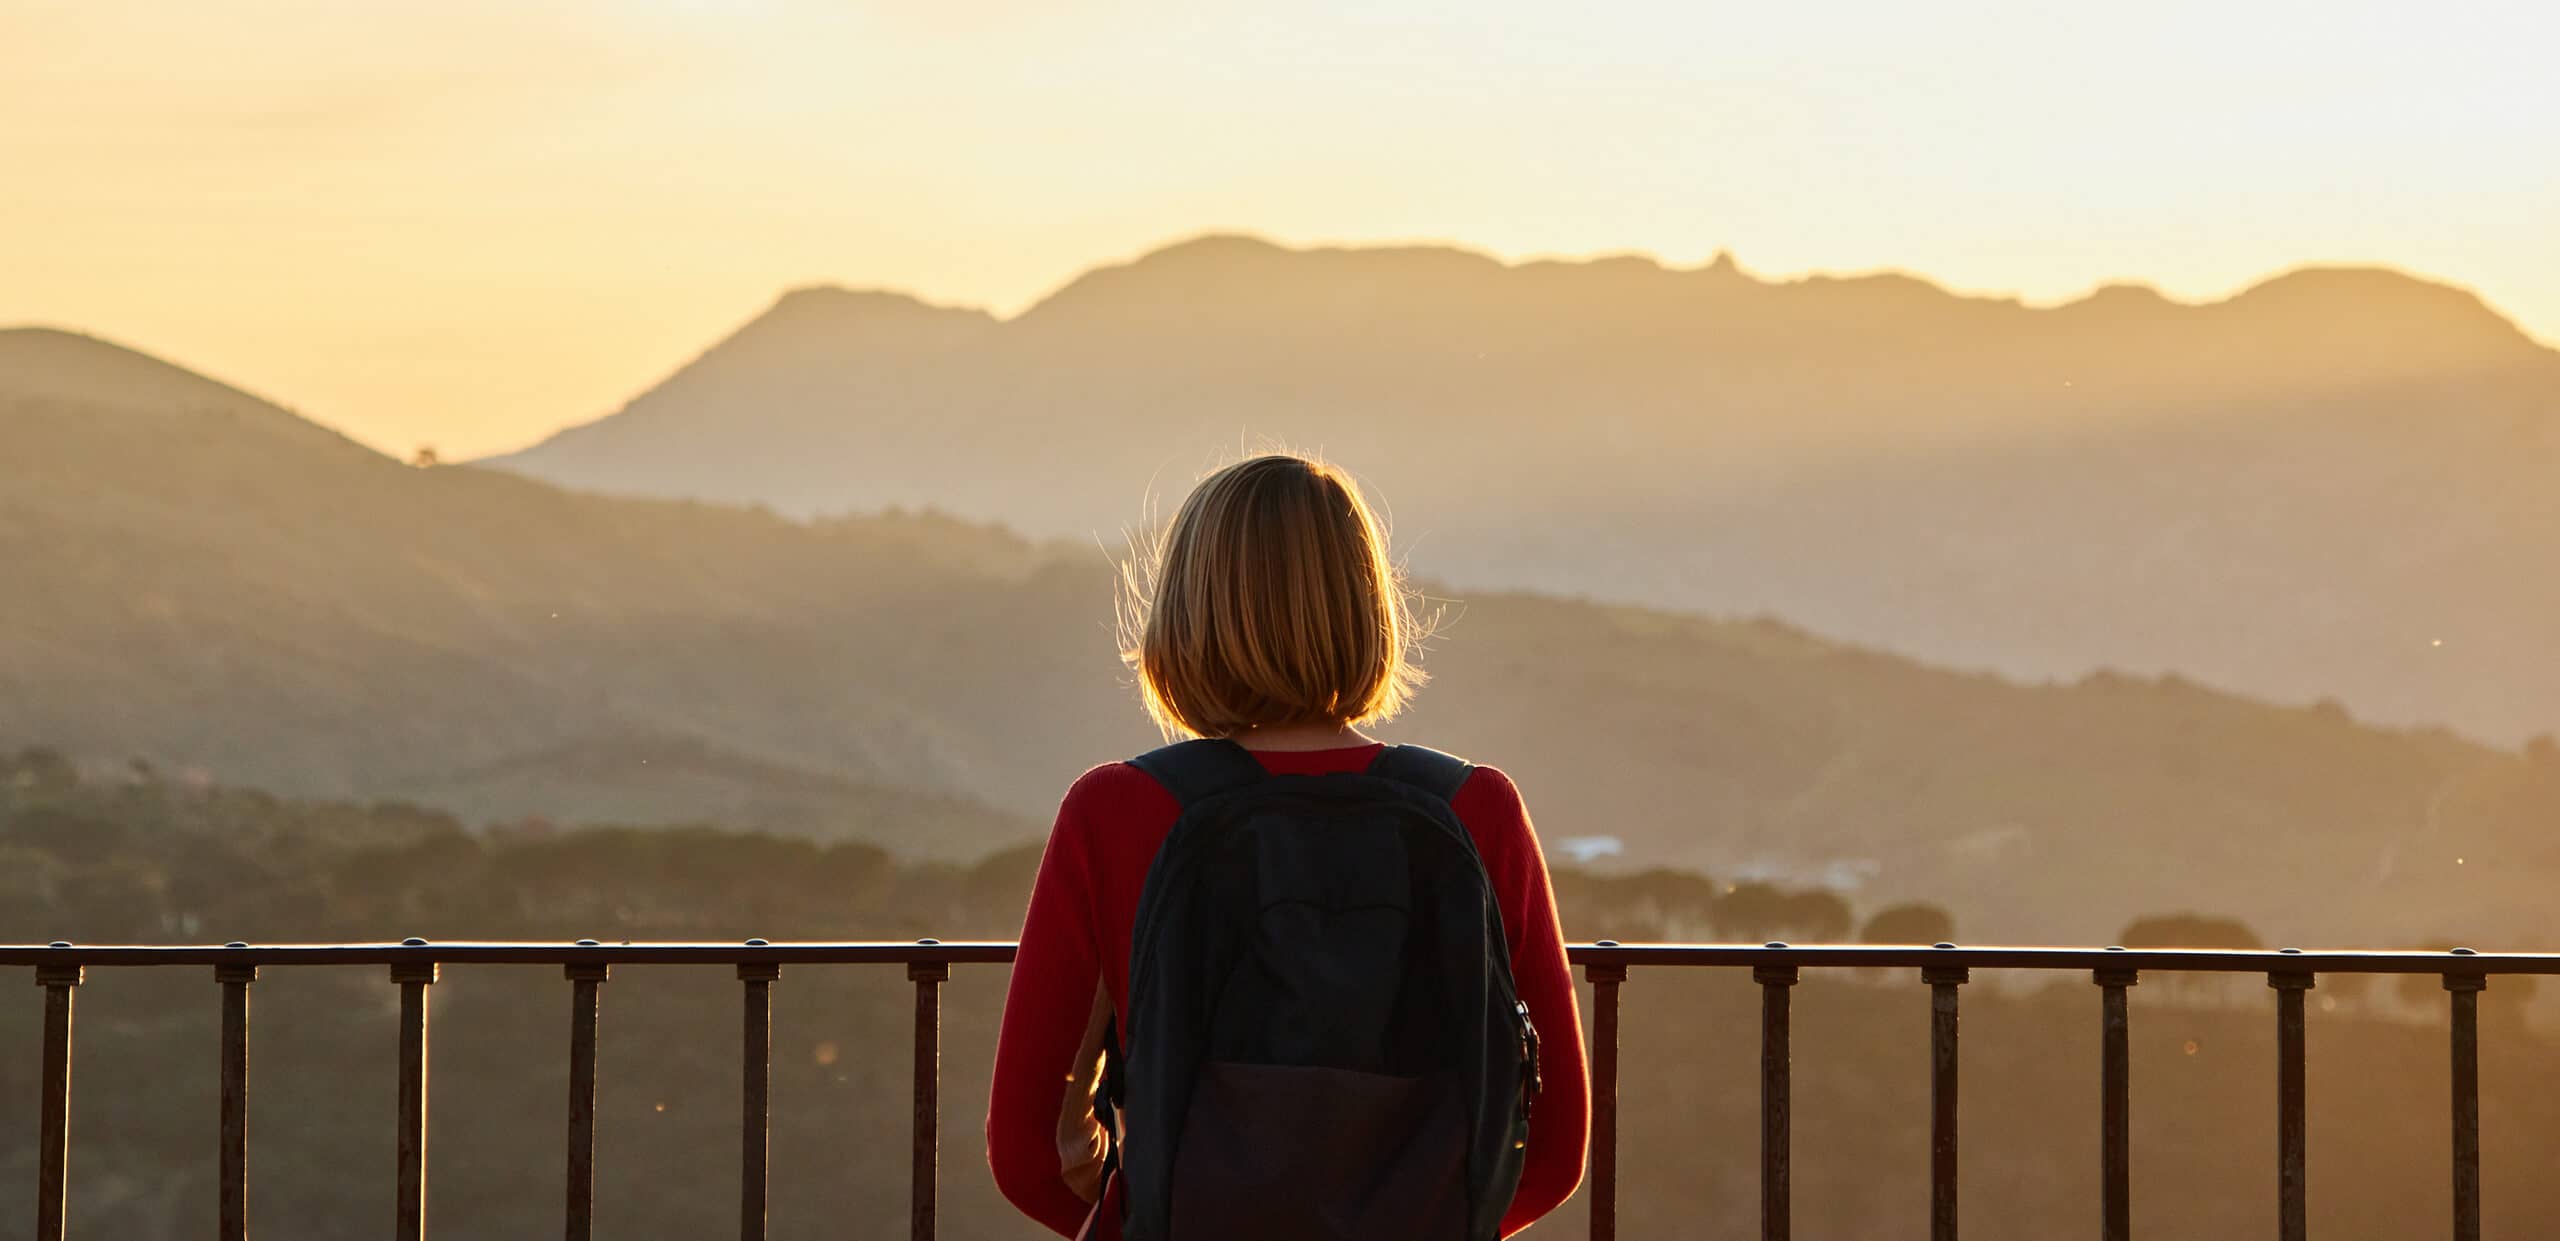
(200, 579)
(2338, 483)
(204, 579)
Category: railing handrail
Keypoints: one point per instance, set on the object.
(1000, 952)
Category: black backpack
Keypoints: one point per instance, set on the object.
(1323, 1038)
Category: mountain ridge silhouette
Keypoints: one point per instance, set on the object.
(62, 364)
(2353, 459)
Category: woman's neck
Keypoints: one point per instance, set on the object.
(1302, 737)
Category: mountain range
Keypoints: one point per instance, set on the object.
(2340, 483)
(196, 578)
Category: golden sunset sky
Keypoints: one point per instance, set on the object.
(469, 223)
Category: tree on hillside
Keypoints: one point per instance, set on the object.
(1916, 922)
(1763, 911)
(40, 771)
(1655, 904)
(2188, 930)
(70, 834)
(2193, 930)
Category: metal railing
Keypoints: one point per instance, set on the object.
(415, 964)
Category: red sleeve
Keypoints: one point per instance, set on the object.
(1045, 1010)
(1560, 1128)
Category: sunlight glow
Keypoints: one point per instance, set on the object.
(468, 225)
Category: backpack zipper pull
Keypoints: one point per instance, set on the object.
(1532, 1079)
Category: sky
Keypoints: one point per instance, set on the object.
(467, 224)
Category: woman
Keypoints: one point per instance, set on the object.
(1270, 615)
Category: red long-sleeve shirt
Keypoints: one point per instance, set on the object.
(1076, 935)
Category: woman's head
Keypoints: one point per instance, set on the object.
(1270, 601)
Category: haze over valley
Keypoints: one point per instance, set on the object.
(209, 584)
(2338, 484)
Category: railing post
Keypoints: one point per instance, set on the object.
(586, 984)
(1943, 981)
(232, 1222)
(2115, 1106)
(1776, 1103)
(409, 1215)
(755, 1123)
(2292, 1140)
(924, 1164)
(2466, 989)
(53, 1126)
(1604, 1097)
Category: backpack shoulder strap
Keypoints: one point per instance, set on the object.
(1424, 768)
(1196, 770)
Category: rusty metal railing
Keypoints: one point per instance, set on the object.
(414, 967)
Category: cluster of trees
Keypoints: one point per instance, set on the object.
(133, 854)
(1665, 904)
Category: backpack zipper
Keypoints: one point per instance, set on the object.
(1532, 1080)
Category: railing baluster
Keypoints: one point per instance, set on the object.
(925, 1160)
(755, 1124)
(1604, 1098)
(2115, 1106)
(586, 984)
(2466, 989)
(53, 1128)
(409, 1215)
(1776, 1105)
(233, 1220)
(2292, 1139)
(1943, 981)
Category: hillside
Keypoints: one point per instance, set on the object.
(217, 584)
(298, 613)
(2338, 483)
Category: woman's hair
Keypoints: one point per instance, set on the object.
(1270, 600)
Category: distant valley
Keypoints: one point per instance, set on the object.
(200, 580)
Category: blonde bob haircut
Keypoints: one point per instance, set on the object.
(1268, 601)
